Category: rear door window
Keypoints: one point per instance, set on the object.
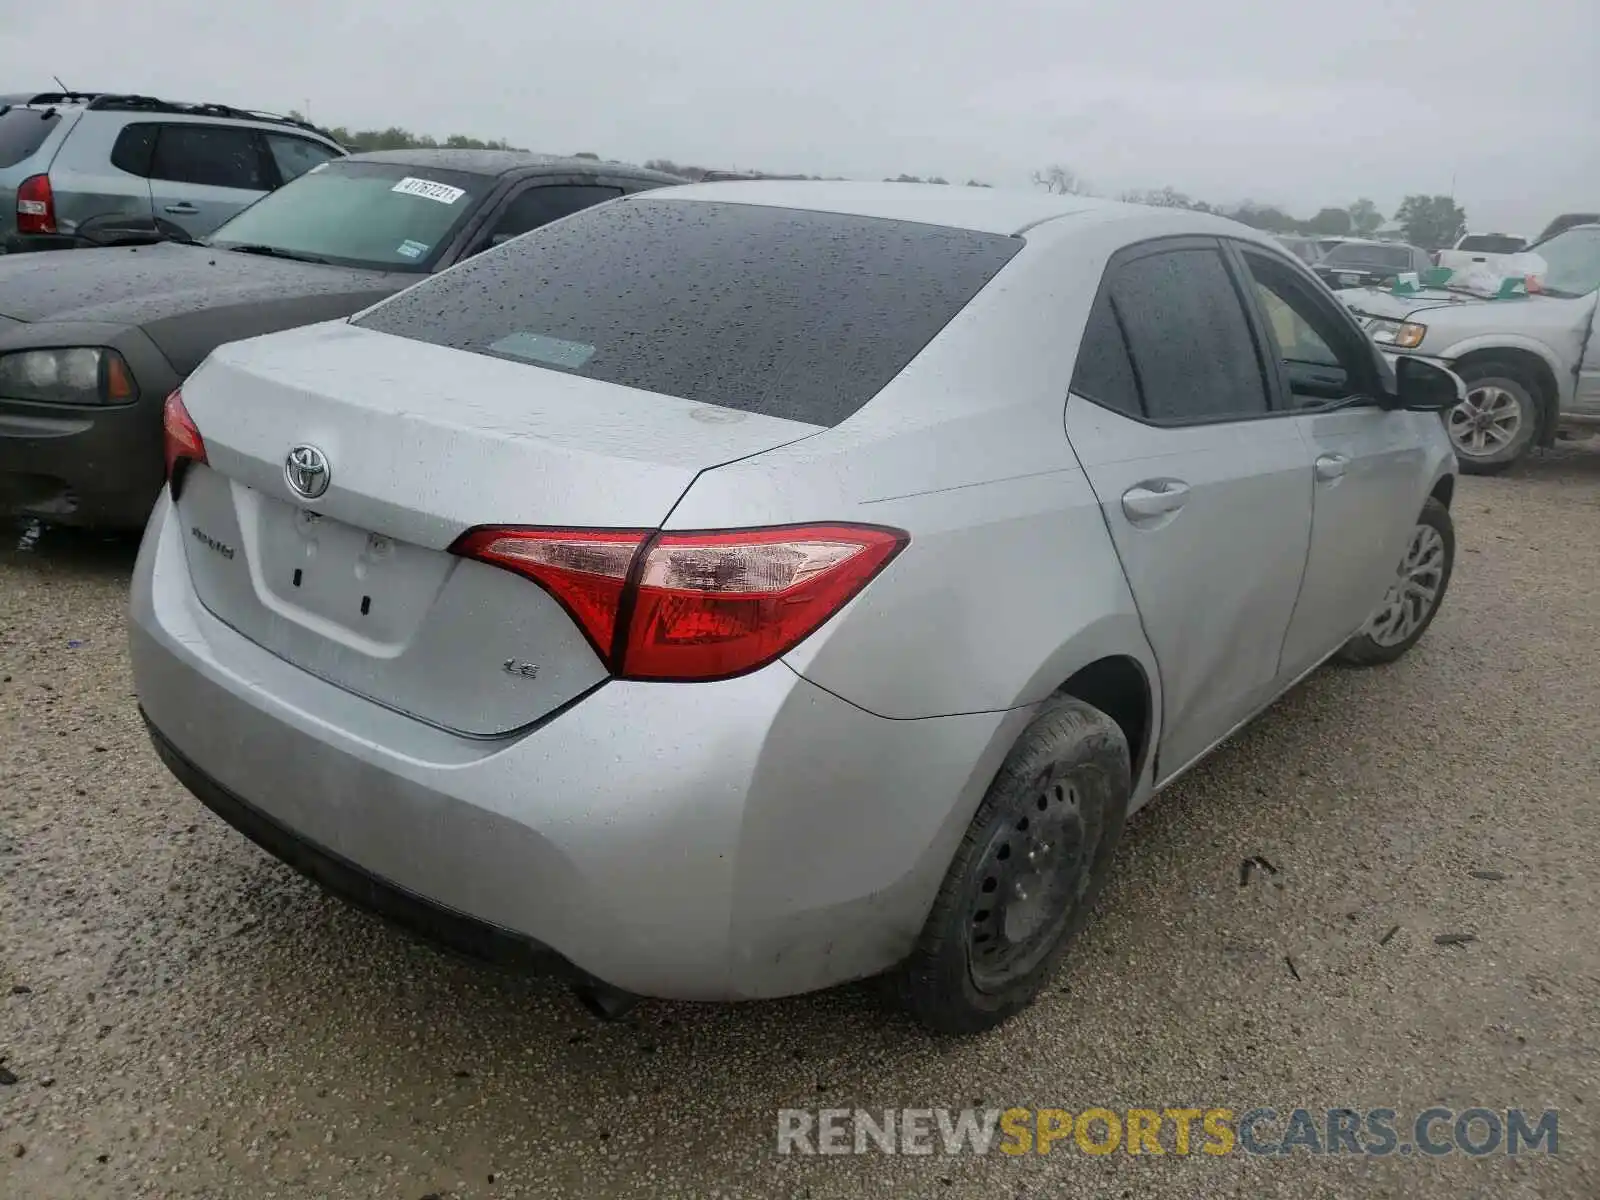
(1189, 338)
(222, 156)
(795, 314)
(23, 131)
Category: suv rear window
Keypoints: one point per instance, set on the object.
(789, 313)
(1491, 243)
(1364, 254)
(22, 131)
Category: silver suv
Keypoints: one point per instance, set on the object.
(68, 157)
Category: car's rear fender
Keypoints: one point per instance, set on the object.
(1008, 563)
(1008, 589)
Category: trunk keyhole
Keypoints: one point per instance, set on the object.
(297, 577)
(366, 605)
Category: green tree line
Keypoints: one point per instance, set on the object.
(395, 138)
(1431, 222)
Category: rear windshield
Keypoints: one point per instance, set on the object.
(1491, 243)
(795, 314)
(22, 131)
(1567, 221)
(1361, 254)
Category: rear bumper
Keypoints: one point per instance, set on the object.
(81, 466)
(348, 881)
(32, 243)
(754, 837)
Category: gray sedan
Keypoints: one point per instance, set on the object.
(739, 589)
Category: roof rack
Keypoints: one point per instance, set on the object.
(262, 115)
(47, 100)
(60, 98)
(115, 102)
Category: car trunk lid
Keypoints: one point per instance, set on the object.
(357, 585)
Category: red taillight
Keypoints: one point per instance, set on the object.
(585, 569)
(36, 205)
(711, 605)
(693, 606)
(180, 438)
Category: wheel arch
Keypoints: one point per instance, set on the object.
(1119, 685)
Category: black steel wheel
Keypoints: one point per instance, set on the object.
(1027, 873)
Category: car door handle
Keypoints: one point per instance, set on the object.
(182, 209)
(1154, 498)
(1331, 467)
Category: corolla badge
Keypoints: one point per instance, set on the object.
(307, 472)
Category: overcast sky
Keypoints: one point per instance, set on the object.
(1301, 104)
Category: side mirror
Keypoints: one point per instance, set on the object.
(1422, 386)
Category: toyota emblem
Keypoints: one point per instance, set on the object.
(306, 472)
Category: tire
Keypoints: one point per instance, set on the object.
(1062, 793)
(1501, 399)
(1429, 560)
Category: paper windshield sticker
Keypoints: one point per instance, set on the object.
(552, 352)
(410, 249)
(428, 190)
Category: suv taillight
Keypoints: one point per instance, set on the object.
(181, 441)
(693, 606)
(36, 205)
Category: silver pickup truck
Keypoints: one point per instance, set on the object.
(1530, 358)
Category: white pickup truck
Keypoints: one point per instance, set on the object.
(1489, 250)
(1530, 355)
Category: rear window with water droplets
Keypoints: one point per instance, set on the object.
(789, 313)
(24, 130)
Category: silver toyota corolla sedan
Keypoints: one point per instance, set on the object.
(738, 589)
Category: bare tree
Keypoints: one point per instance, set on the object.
(1167, 197)
(1061, 180)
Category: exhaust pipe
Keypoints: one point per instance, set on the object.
(604, 1001)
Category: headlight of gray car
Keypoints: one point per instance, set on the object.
(1405, 335)
(70, 375)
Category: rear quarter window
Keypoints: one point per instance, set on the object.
(795, 314)
(23, 131)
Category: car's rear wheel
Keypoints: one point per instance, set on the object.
(1027, 873)
(1414, 596)
(1498, 421)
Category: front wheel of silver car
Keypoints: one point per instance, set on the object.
(1414, 595)
(1026, 874)
(1497, 423)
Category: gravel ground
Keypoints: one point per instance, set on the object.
(180, 1016)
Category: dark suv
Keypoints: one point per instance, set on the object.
(71, 163)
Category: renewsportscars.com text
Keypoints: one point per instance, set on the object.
(1373, 1132)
